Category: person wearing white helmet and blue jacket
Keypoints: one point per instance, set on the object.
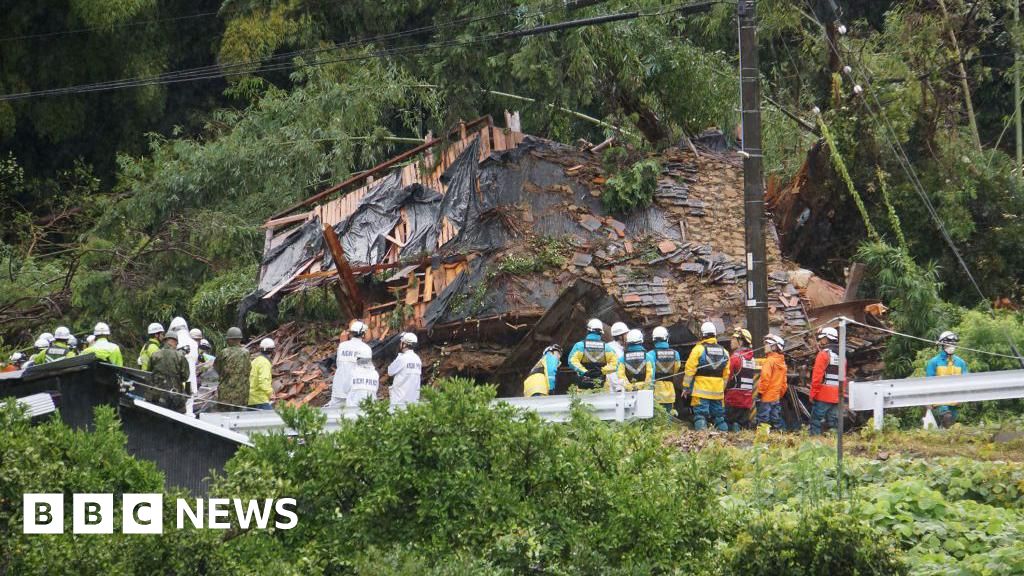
(592, 359)
(666, 364)
(946, 363)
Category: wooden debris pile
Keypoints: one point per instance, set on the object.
(299, 376)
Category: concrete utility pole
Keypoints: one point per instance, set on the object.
(753, 185)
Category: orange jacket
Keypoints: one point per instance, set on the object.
(773, 378)
(821, 390)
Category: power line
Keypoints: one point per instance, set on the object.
(239, 68)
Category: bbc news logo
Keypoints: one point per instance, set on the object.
(144, 513)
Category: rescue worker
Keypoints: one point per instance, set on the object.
(206, 352)
(14, 363)
(73, 344)
(739, 393)
(102, 348)
(48, 336)
(636, 364)
(772, 385)
(41, 345)
(233, 367)
(666, 365)
(593, 360)
(169, 375)
(707, 369)
(946, 363)
(89, 340)
(347, 360)
(405, 371)
(364, 381)
(261, 385)
(618, 343)
(544, 375)
(825, 382)
(195, 334)
(155, 331)
(58, 348)
(190, 348)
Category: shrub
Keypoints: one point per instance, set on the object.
(822, 541)
(632, 188)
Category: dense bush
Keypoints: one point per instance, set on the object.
(821, 541)
(632, 188)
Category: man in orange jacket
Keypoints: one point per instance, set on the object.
(825, 382)
(772, 385)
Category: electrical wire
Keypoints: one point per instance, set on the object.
(244, 67)
(889, 133)
(926, 340)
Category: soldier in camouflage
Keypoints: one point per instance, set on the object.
(169, 373)
(233, 367)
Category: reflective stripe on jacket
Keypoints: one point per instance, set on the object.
(705, 385)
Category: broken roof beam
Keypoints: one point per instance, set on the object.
(348, 293)
(378, 168)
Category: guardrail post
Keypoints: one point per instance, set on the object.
(879, 410)
(620, 406)
(842, 406)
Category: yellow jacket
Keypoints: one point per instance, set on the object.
(260, 387)
(609, 361)
(705, 385)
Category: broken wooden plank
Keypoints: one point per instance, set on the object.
(348, 292)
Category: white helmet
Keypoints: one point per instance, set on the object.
(830, 333)
(61, 333)
(196, 334)
(177, 324)
(775, 341)
(72, 341)
(596, 326)
(155, 328)
(949, 337)
(204, 344)
(618, 329)
(47, 336)
(659, 333)
(357, 328)
(634, 336)
(90, 339)
(266, 344)
(42, 343)
(101, 329)
(708, 329)
(17, 357)
(410, 339)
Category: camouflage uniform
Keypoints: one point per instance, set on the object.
(169, 372)
(233, 367)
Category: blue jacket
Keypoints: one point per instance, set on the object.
(549, 363)
(609, 362)
(943, 364)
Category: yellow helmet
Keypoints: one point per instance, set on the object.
(743, 335)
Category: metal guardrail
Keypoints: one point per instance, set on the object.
(606, 406)
(935, 391)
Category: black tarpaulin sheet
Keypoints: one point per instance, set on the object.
(460, 180)
(477, 293)
(282, 261)
(423, 217)
(362, 233)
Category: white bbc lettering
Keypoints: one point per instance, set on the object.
(194, 515)
(281, 507)
(217, 508)
(142, 514)
(43, 513)
(253, 511)
(92, 513)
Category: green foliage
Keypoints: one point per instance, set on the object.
(543, 253)
(818, 541)
(215, 303)
(982, 331)
(912, 292)
(455, 476)
(632, 188)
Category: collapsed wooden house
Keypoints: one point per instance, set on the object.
(491, 244)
